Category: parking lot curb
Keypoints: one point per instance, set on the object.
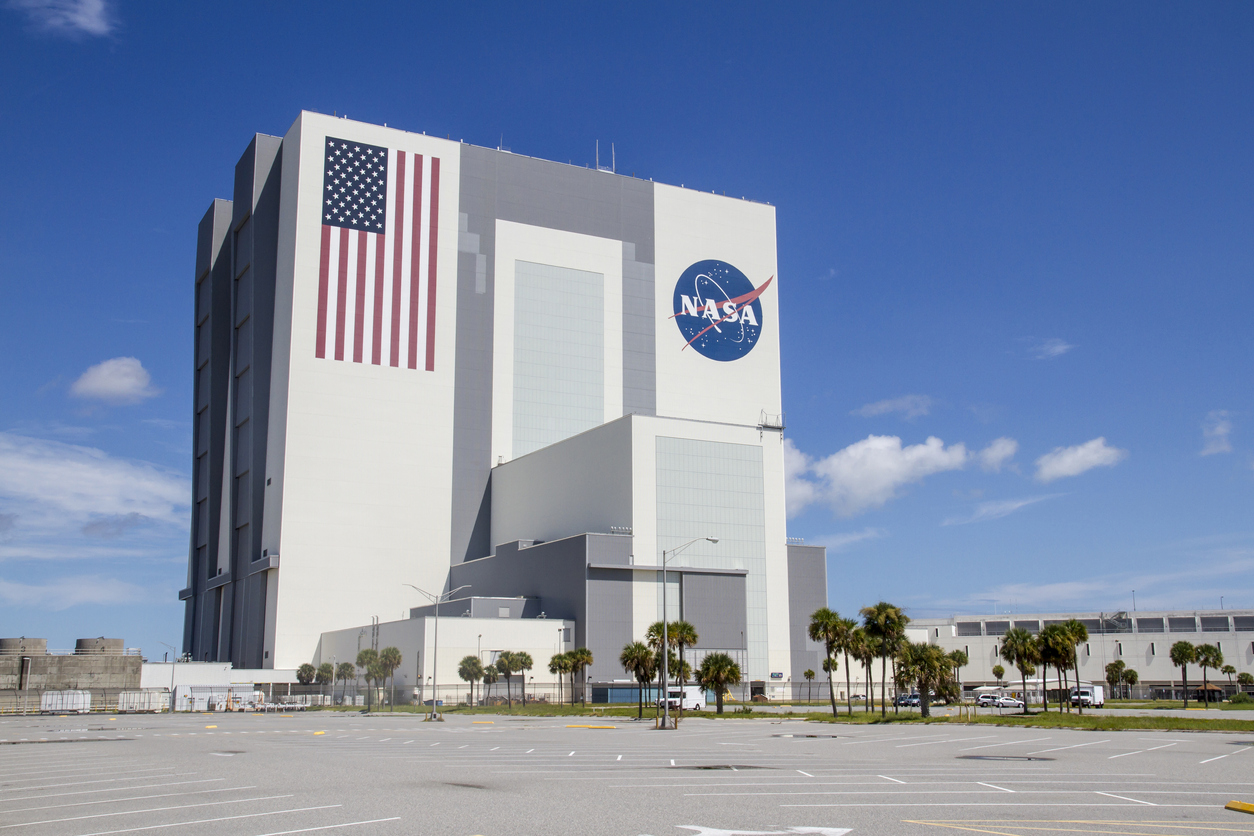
(1240, 807)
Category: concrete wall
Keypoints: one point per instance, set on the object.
(807, 592)
(68, 673)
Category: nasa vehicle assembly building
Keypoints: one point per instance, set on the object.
(421, 362)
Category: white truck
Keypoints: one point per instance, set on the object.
(692, 697)
(1089, 696)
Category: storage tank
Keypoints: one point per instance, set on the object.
(100, 647)
(23, 647)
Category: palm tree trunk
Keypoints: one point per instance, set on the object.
(1205, 692)
(895, 707)
(718, 697)
(1045, 687)
(870, 685)
(831, 692)
(1079, 702)
(1024, 674)
(848, 686)
(883, 685)
(640, 694)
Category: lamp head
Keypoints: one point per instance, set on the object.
(712, 539)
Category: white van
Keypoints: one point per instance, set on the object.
(692, 697)
(1089, 696)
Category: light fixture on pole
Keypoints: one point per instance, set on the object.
(442, 598)
(666, 679)
(174, 658)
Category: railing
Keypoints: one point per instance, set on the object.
(128, 651)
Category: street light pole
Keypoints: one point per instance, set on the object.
(666, 677)
(443, 597)
(173, 662)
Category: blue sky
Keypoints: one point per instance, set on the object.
(1022, 230)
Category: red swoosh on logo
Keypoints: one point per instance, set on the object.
(740, 302)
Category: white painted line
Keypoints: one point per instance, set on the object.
(83, 783)
(494, 748)
(433, 744)
(407, 742)
(1125, 798)
(117, 800)
(210, 821)
(945, 740)
(672, 761)
(886, 778)
(993, 786)
(112, 789)
(807, 774)
(1125, 754)
(329, 827)
(385, 740)
(570, 754)
(223, 754)
(149, 810)
(988, 804)
(1230, 754)
(619, 758)
(1164, 746)
(529, 751)
(1011, 743)
(1060, 748)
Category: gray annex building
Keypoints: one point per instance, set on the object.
(421, 363)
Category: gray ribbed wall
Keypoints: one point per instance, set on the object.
(807, 592)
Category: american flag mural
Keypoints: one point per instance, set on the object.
(376, 273)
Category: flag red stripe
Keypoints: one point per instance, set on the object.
(377, 335)
(414, 255)
(341, 295)
(397, 267)
(359, 310)
(324, 267)
(431, 243)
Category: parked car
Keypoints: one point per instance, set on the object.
(986, 700)
(691, 695)
(1009, 702)
(858, 697)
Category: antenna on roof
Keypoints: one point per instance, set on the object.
(613, 160)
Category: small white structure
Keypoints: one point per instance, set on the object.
(65, 702)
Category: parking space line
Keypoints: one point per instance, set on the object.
(944, 740)
(886, 778)
(329, 827)
(1011, 743)
(1125, 798)
(210, 821)
(84, 783)
(149, 810)
(994, 786)
(112, 789)
(131, 798)
(1060, 748)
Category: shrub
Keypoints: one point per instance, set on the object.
(1241, 698)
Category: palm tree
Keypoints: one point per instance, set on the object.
(1019, 649)
(653, 637)
(718, 671)
(344, 671)
(367, 660)
(959, 660)
(470, 669)
(1208, 656)
(491, 675)
(845, 636)
(1130, 677)
(1244, 679)
(998, 673)
(1079, 634)
(825, 625)
(305, 674)
(507, 666)
(1053, 647)
(886, 624)
(927, 666)
(580, 661)
(1182, 653)
(862, 649)
(684, 635)
(390, 658)
(809, 678)
(637, 659)
(559, 665)
(378, 672)
(1228, 671)
(524, 663)
(1114, 675)
(326, 673)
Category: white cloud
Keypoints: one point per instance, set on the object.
(910, 406)
(1215, 432)
(1072, 461)
(996, 454)
(113, 527)
(840, 542)
(997, 509)
(120, 380)
(1048, 349)
(53, 486)
(866, 474)
(70, 18)
(63, 593)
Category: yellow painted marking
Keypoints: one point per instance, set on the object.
(592, 727)
(288, 716)
(318, 733)
(1240, 807)
(211, 727)
(985, 825)
(482, 722)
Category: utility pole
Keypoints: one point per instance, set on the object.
(442, 598)
(666, 651)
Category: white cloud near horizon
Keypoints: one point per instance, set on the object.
(122, 380)
(68, 18)
(1215, 432)
(840, 542)
(66, 592)
(1072, 461)
(996, 509)
(910, 406)
(997, 454)
(53, 488)
(1050, 348)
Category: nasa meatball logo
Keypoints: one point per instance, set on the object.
(718, 310)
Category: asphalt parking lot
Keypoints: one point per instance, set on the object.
(368, 775)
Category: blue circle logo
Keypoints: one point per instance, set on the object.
(718, 310)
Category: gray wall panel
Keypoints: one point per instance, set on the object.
(609, 597)
(807, 592)
(715, 606)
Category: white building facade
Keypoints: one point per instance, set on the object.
(402, 340)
